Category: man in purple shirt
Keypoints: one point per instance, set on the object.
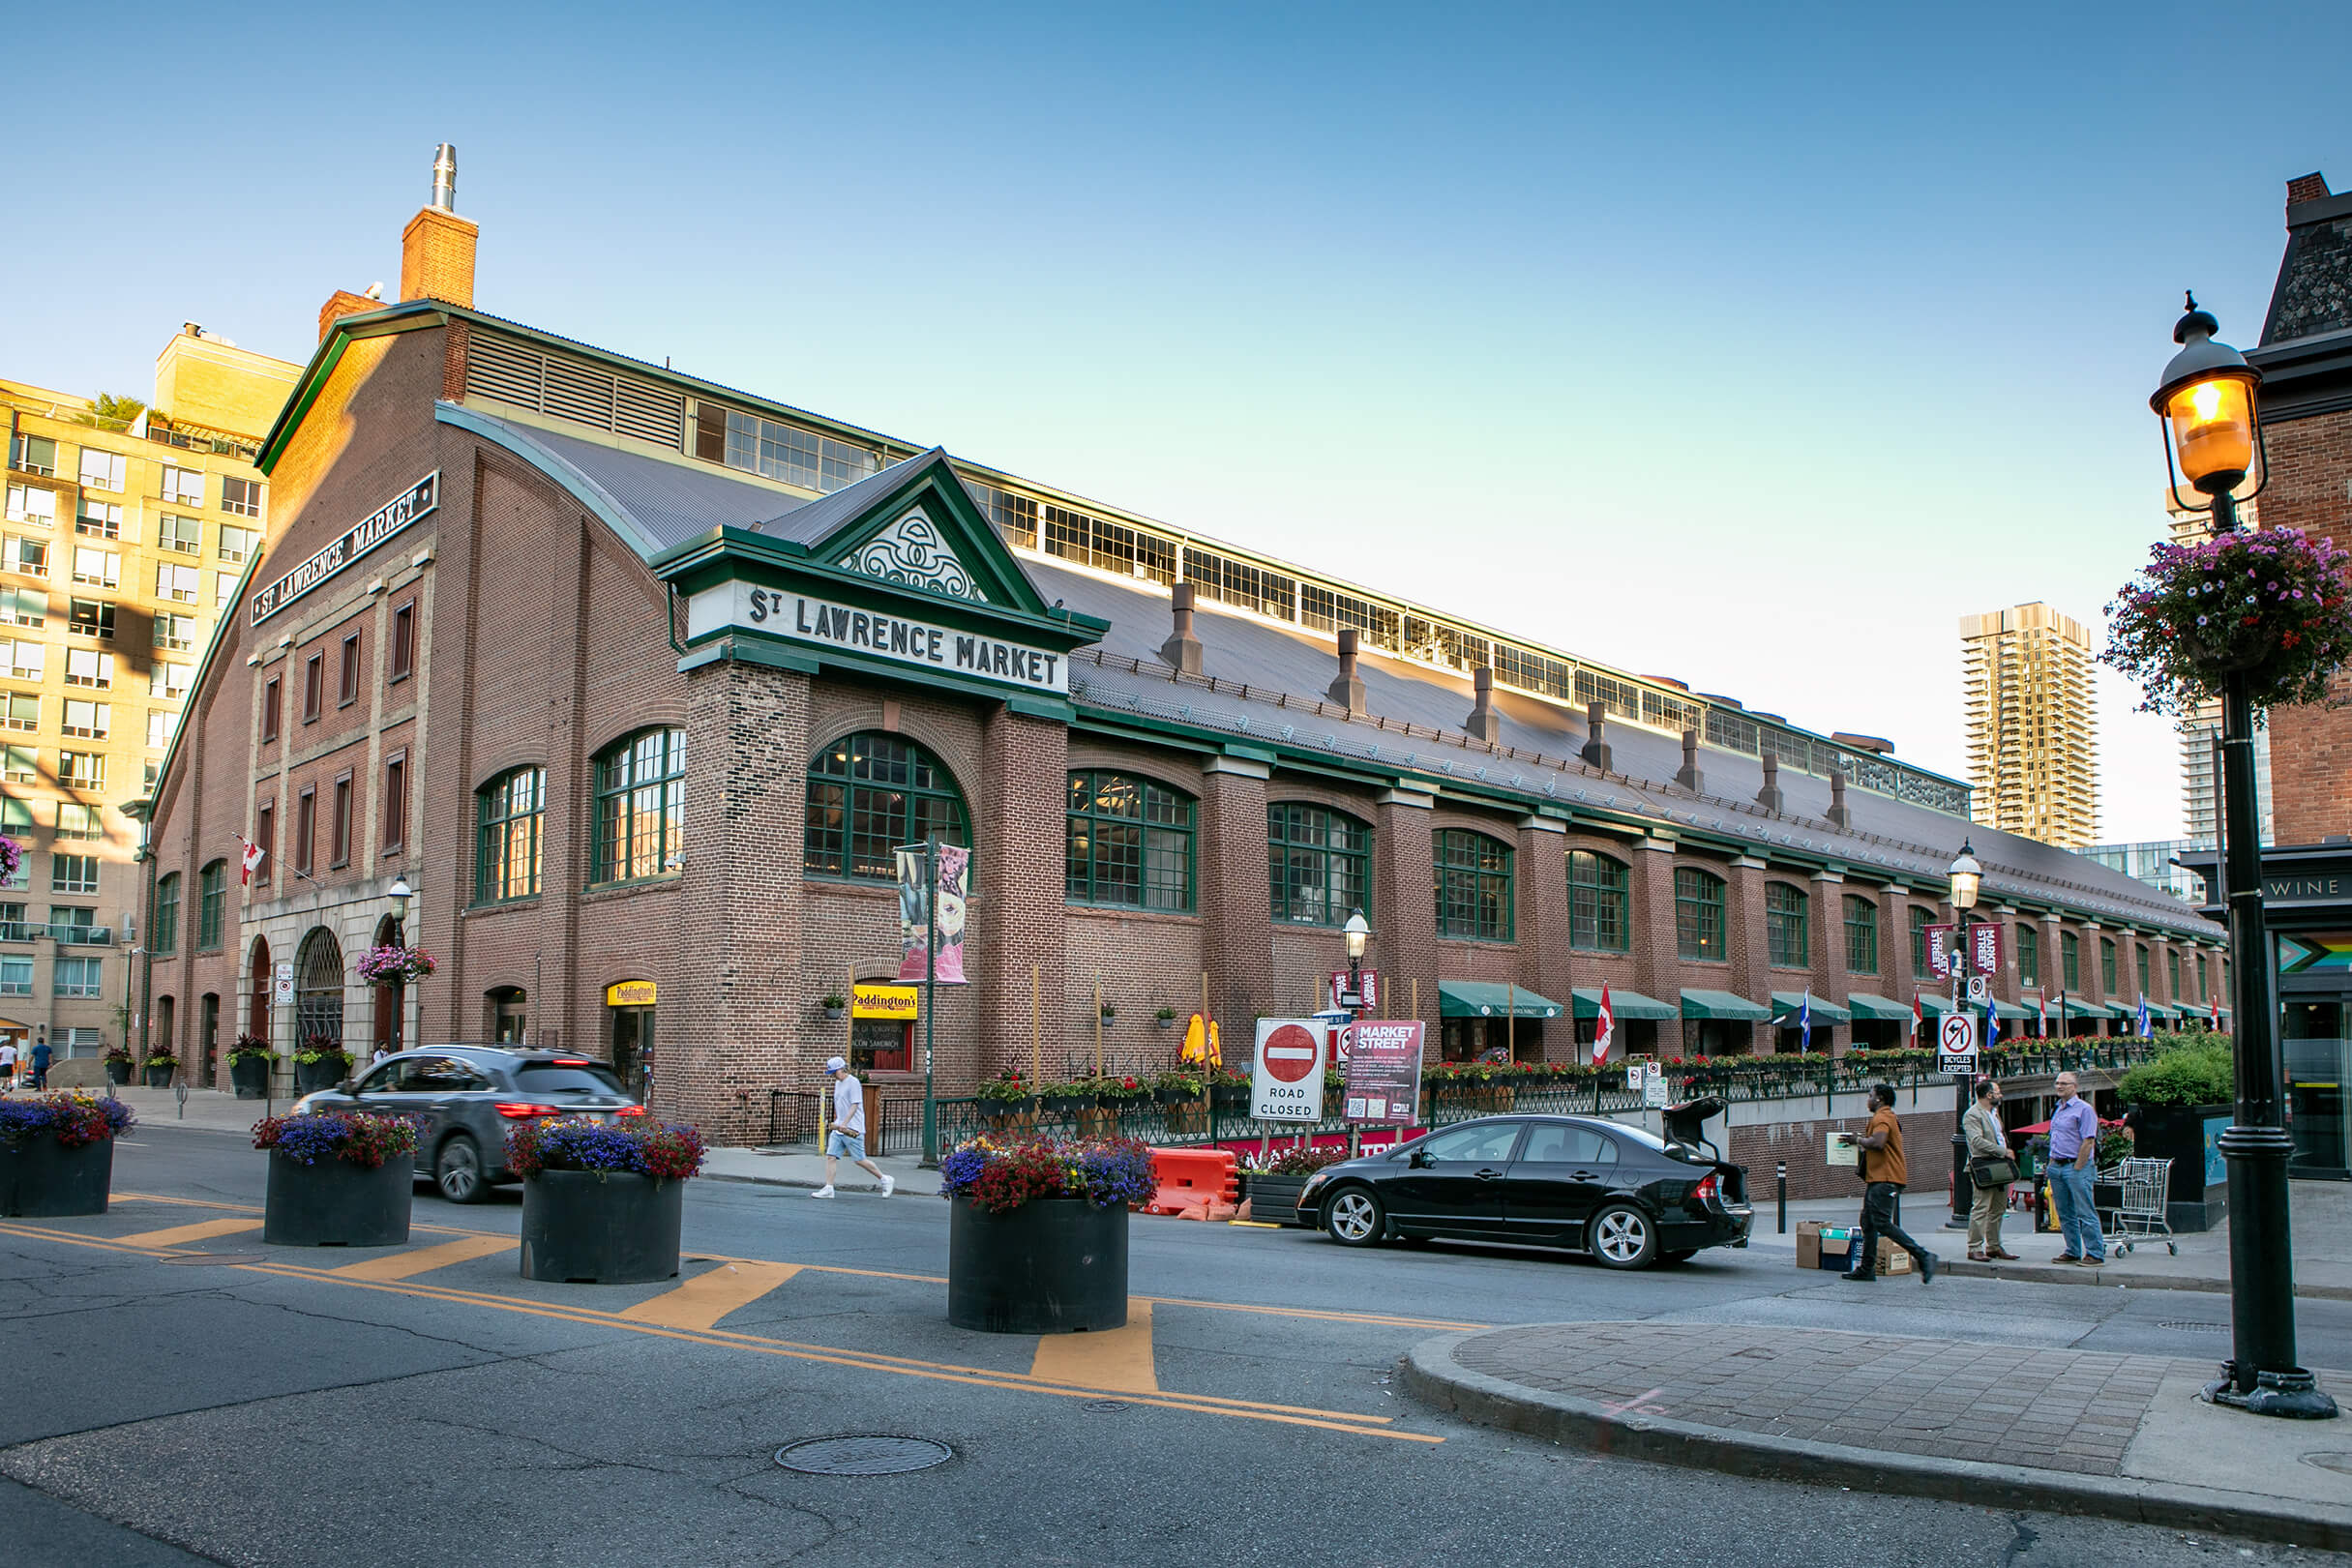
(2073, 1162)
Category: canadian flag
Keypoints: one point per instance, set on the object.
(1918, 1018)
(248, 861)
(1604, 1029)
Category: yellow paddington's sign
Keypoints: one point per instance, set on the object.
(869, 999)
(630, 994)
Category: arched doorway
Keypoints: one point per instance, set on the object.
(318, 990)
(388, 1002)
(208, 1038)
(257, 1006)
(166, 1032)
(509, 1014)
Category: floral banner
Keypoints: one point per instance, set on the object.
(916, 918)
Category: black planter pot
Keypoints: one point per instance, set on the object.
(1230, 1097)
(335, 1203)
(312, 1076)
(1016, 1105)
(1054, 1265)
(1275, 1200)
(117, 1072)
(41, 1178)
(251, 1076)
(595, 1228)
(157, 1078)
(1061, 1105)
(2179, 1134)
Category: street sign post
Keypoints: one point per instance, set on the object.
(1957, 1043)
(1979, 989)
(1650, 1079)
(1362, 998)
(1286, 1077)
(281, 986)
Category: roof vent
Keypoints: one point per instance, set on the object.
(1769, 796)
(1484, 722)
(1596, 737)
(1348, 690)
(1182, 649)
(1840, 814)
(1691, 778)
(445, 178)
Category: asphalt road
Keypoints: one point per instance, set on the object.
(260, 1408)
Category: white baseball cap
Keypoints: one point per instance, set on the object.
(834, 1064)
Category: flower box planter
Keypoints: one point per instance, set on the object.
(1063, 1105)
(251, 1075)
(1052, 1265)
(1230, 1097)
(312, 1076)
(158, 1077)
(1275, 1200)
(117, 1072)
(2184, 1135)
(332, 1202)
(601, 1228)
(42, 1178)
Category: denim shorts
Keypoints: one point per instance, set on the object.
(842, 1145)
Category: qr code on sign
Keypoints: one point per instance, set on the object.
(1355, 1105)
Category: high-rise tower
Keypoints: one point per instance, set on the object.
(2033, 733)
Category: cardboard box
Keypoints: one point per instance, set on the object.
(1831, 1247)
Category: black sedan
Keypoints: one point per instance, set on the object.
(1618, 1192)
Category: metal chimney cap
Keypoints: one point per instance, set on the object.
(445, 177)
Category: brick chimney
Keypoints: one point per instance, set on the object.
(1596, 737)
(1839, 812)
(2313, 186)
(437, 247)
(1484, 722)
(1770, 797)
(1347, 691)
(1182, 649)
(1691, 778)
(343, 302)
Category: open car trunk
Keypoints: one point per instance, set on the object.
(1685, 1133)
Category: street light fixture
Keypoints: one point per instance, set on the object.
(2206, 403)
(399, 893)
(1357, 933)
(1967, 877)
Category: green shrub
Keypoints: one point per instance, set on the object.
(2194, 1069)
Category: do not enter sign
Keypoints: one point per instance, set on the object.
(1287, 1083)
(1291, 1052)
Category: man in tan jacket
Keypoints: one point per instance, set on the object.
(1987, 1142)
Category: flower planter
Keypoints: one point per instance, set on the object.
(312, 1076)
(834, 1014)
(600, 1228)
(251, 1076)
(332, 1202)
(1063, 1105)
(1054, 1265)
(158, 1077)
(1230, 1097)
(41, 1178)
(1275, 1200)
(2198, 1197)
(117, 1073)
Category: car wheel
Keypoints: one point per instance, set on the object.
(1622, 1236)
(1354, 1219)
(1680, 1255)
(458, 1170)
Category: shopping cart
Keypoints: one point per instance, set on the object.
(2140, 1216)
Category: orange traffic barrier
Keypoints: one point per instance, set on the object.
(1195, 1184)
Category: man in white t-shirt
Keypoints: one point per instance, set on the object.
(846, 1138)
(8, 1065)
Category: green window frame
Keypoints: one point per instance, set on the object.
(1921, 920)
(1861, 936)
(1318, 864)
(1599, 915)
(1474, 886)
(641, 805)
(1787, 945)
(2029, 956)
(1698, 914)
(2070, 960)
(2172, 969)
(2204, 981)
(510, 828)
(868, 794)
(2106, 965)
(212, 903)
(1129, 843)
(2139, 956)
(166, 934)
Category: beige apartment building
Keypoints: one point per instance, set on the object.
(123, 540)
(2033, 730)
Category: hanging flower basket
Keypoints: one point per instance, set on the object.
(395, 965)
(2274, 606)
(12, 855)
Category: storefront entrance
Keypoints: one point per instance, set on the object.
(2318, 1051)
(629, 1031)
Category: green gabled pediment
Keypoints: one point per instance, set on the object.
(914, 525)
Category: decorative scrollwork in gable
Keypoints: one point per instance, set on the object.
(910, 551)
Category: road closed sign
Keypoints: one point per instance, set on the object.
(1285, 1079)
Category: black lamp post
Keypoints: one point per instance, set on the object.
(1967, 877)
(1358, 933)
(2206, 403)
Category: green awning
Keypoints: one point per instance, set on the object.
(1788, 1004)
(2077, 1008)
(2157, 1010)
(1624, 1004)
(1492, 999)
(1934, 1002)
(2011, 1009)
(1868, 1006)
(1722, 1004)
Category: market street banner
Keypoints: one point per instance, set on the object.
(914, 912)
(1384, 1073)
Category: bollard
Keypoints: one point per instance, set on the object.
(1780, 1178)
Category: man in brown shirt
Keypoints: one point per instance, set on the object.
(1884, 1176)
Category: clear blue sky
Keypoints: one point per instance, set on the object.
(1751, 346)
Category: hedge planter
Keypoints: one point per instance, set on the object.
(1054, 1265)
(2184, 1135)
(1275, 1200)
(332, 1202)
(42, 1178)
(600, 1228)
(158, 1077)
(117, 1072)
(251, 1076)
(312, 1076)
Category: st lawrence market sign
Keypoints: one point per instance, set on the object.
(379, 525)
(902, 639)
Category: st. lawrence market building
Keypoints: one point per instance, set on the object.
(631, 683)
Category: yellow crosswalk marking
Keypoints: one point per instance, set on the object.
(701, 1301)
(1118, 1358)
(425, 1259)
(178, 1235)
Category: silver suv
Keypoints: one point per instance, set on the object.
(466, 1098)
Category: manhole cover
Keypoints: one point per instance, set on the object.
(211, 1258)
(2331, 1461)
(1105, 1404)
(863, 1456)
(2181, 1327)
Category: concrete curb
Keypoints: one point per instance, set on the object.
(1433, 1376)
(2074, 1274)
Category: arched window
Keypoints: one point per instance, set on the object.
(318, 990)
(212, 904)
(2172, 966)
(1787, 943)
(2106, 965)
(1597, 918)
(1698, 914)
(2070, 960)
(1474, 886)
(2029, 955)
(1129, 843)
(1318, 864)
(641, 805)
(2140, 953)
(165, 937)
(509, 811)
(868, 794)
(1861, 936)
(1921, 920)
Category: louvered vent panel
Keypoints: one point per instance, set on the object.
(498, 368)
(651, 413)
(576, 392)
